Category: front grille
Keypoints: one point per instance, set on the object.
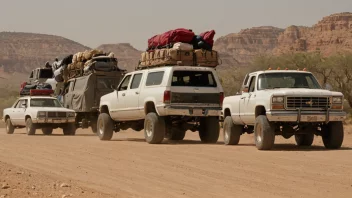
(312, 103)
(57, 114)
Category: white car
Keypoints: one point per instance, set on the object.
(166, 102)
(284, 102)
(34, 112)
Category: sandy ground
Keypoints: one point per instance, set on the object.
(84, 166)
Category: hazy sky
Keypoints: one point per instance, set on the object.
(134, 21)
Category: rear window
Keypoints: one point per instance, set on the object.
(46, 73)
(193, 79)
(154, 78)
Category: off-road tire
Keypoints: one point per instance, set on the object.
(264, 133)
(209, 130)
(105, 127)
(175, 134)
(333, 136)
(69, 129)
(10, 129)
(304, 139)
(30, 127)
(154, 128)
(47, 131)
(232, 132)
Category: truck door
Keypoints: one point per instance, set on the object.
(118, 108)
(247, 100)
(132, 98)
(18, 114)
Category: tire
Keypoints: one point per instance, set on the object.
(30, 127)
(264, 133)
(10, 129)
(304, 139)
(232, 132)
(94, 125)
(333, 136)
(70, 129)
(154, 128)
(175, 134)
(105, 127)
(209, 130)
(47, 131)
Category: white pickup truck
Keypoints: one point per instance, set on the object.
(166, 102)
(284, 102)
(34, 112)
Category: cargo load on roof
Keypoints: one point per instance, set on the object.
(180, 47)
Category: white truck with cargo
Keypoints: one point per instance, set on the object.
(165, 102)
(287, 103)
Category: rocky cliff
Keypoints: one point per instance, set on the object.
(332, 34)
(21, 52)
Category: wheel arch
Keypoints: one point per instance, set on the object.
(260, 110)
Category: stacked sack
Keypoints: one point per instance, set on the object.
(80, 59)
(180, 45)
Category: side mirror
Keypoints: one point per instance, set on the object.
(24, 106)
(245, 89)
(124, 88)
(113, 87)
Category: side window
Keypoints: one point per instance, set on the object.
(31, 76)
(18, 104)
(252, 84)
(155, 78)
(246, 80)
(124, 84)
(136, 81)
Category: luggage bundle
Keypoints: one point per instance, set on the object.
(180, 46)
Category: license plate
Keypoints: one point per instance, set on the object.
(312, 118)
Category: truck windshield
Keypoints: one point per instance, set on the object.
(287, 80)
(46, 73)
(45, 102)
(193, 79)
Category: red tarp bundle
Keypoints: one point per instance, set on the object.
(208, 37)
(172, 36)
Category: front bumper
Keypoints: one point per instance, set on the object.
(305, 116)
(54, 120)
(191, 111)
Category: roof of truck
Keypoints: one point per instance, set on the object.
(280, 71)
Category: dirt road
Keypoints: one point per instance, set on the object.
(129, 167)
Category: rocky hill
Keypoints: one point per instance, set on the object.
(21, 52)
(127, 55)
(333, 33)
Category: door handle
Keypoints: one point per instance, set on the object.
(123, 94)
(137, 92)
(243, 97)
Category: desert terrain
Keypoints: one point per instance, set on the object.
(84, 166)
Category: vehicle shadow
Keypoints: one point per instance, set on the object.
(165, 142)
(293, 147)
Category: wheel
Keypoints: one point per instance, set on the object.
(47, 131)
(264, 133)
(94, 125)
(209, 129)
(175, 134)
(232, 132)
(70, 129)
(333, 136)
(10, 129)
(304, 139)
(105, 127)
(154, 128)
(30, 127)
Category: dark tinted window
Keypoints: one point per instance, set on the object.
(193, 79)
(136, 81)
(42, 102)
(154, 78)
(46, 73)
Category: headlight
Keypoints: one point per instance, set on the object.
(337, 100)
(71, 114)
(41, 114)
(278, 99)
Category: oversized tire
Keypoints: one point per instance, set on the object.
(264, 133)
(232, 132)
(10, 129)
(105, 127)
(333, 136)
(209, 130)
(154, 128)
(30, 127)
(69, 129)
(304, 139)
(94, 125)
(175, 134)
(47, 131)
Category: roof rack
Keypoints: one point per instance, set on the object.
(179, 63)
(41, 92)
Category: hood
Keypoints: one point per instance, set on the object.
(302, 92)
